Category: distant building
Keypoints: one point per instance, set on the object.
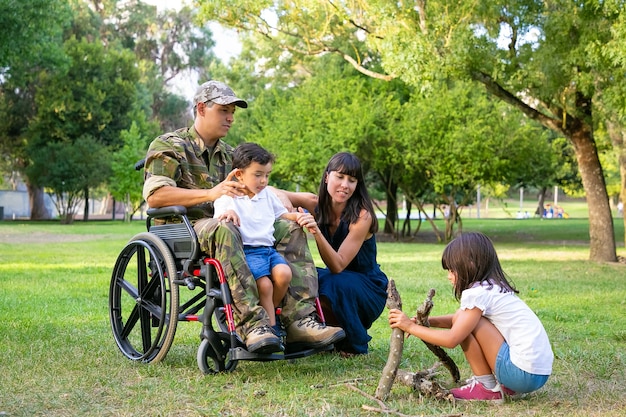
(16, 205)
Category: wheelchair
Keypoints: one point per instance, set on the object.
(145, 304)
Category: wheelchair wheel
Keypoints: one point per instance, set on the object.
(208, 360)
(143, 299)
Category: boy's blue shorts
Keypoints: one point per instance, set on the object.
(262, 259)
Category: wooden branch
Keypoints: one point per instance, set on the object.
(383, 407)
(424, 383)
(412, 379)
(366, 395)
(384, 411)
(423, 312)
(396, 345)
(497, 90)
(334, 384)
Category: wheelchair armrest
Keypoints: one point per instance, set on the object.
(167, 211)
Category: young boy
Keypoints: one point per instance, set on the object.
(254, 214)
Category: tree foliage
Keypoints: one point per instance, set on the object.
(30, 42)
(126, 184)
(552, 61)
(67, 169)
(432, 147)
(31, 32)
(69, 69)
(84, 105)
(170, 44)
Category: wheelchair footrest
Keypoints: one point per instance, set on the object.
(241, 354)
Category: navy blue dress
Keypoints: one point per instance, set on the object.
(358, 294)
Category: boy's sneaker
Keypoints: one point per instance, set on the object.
(262, 339)
(475, 391)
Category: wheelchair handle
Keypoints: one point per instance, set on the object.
(140, 164)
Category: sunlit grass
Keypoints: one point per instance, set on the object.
(58, 357)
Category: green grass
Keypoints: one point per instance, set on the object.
(58, 357)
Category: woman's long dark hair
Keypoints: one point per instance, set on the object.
(474, 259)
(347, 164)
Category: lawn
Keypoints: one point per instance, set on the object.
(58, 357)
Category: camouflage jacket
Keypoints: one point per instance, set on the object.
(181, 159)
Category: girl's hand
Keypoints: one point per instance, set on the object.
(399, 320)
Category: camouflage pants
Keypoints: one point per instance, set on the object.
(221, 240)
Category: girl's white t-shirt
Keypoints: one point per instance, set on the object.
(528, 341)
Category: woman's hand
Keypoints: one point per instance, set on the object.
(306, 220)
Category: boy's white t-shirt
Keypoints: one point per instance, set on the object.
(528, 341)
(257, 215)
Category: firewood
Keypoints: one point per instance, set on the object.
(396, 345)
(423, 312)
(424, 383)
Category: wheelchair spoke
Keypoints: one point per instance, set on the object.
(128, 287)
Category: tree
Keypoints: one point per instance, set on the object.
(126, 185)
(304, 125)
(169, 44)
(545, 59)
(67, 169)
(30, 42)
(458, 138)
(165, 45)
(31, 31)
(90, 101)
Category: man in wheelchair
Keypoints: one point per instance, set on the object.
(192, 167)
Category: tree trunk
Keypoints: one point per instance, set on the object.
(86, 209)
(579, 131)
(622, 194)
(601, 235)
(406, 224)
(541, 199)
(617, 135)
(392, 207)
(38, 209)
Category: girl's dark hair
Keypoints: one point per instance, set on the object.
(248, 152)
(474, 259)
(347, 164)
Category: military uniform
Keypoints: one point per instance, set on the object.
(181, 159)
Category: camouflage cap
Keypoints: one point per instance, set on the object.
(217, 92)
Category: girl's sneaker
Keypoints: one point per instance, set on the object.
(475, 391)
(512, 394)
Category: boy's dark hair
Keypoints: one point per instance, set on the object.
(248, 152)
(474, 260)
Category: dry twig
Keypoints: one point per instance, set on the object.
(344, 382)
(366, 395)
(397, 413)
